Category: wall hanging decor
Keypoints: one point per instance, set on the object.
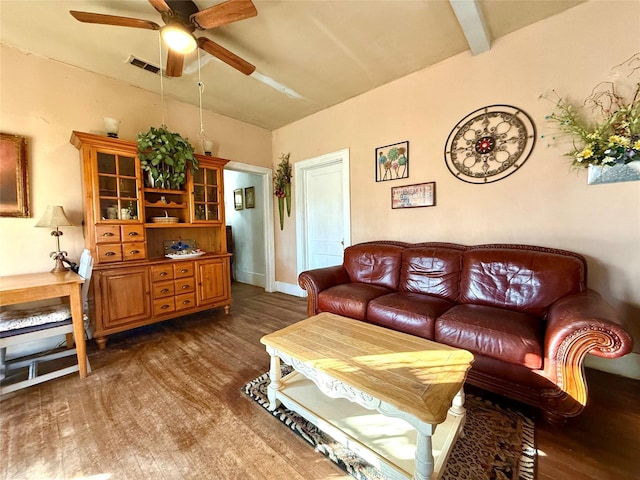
(410, 196)
(392, 162)
(605, 130)
(238, 202)
(14, 176)
(250, 197)
(282, 186)
(489, 144)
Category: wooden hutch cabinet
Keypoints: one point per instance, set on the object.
(133, 283)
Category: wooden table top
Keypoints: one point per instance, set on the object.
(36, 286)
(417, 376)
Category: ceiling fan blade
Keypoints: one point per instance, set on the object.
(160, 5)
(224, 13)
(87, 17)
(226, 56)
(175, 62)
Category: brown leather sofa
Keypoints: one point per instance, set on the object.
(525, 312)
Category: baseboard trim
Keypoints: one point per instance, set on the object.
(627, 366)
(290, 289)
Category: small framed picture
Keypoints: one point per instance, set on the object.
(238, 202)
(392, 162)
(411, 196)
(250, 197)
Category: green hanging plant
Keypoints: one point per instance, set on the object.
(166, 156)
(282, 186)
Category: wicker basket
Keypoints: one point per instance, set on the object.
(164, 219)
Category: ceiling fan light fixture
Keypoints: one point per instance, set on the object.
(178, 39)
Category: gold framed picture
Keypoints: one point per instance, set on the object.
(411, 196)
(238, 202)
(14, 176)
(250, 197)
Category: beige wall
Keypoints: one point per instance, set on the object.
(542, 204)
(45, 101)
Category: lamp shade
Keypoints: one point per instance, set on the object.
(54, 217)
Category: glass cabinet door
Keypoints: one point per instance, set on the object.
(206, 194)
(117, 187)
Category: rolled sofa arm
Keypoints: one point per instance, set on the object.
(576, 325)
(315, 281)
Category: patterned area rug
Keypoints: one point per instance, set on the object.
(498, 444)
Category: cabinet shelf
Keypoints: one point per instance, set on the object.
(159, 204)
(165, 191)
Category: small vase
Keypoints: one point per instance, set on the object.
(613, 174)
(281, 211)
(287, 194)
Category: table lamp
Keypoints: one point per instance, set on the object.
(55, 217)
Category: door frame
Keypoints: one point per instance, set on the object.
(300, 171)
(266, 201)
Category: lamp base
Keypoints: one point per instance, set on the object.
(58, 257)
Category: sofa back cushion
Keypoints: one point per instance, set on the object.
(526, 279)
(432, 271)
(374, 263)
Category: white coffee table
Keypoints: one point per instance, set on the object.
(383, 392)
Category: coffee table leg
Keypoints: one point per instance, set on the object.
(424, 457)
(274, 376)
(457, 406)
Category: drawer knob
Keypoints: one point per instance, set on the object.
(107, 234)
(164, 290)
(164, 307)
(184, 270)
(184, 287)
(109, 254)
(133, 234)
(186, 302)
(134, 252)
(163, 274)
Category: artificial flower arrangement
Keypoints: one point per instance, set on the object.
(613, 138)
(282, 186)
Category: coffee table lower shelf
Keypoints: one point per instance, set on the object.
(387, 443)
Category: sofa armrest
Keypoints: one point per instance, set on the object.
(315, 281)
(576, 325)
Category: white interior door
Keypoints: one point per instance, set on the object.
(323, 210)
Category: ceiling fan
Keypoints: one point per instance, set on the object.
(182, 18)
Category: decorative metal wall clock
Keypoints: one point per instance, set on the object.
(490, 144)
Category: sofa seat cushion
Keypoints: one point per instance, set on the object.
(350, 299)
(408, 312)
(512, 337)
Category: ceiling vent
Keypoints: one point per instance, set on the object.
(149, 67)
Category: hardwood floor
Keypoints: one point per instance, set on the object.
(109, 423)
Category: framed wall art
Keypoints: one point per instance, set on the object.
(14, 176)
(238, 202)
(250, 197)
(392, 162)
(411, 196)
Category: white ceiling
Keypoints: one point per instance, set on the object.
(309, 54)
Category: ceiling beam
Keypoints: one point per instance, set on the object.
(470, 18)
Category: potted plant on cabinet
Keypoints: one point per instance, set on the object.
(166, 156)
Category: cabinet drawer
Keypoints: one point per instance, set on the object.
(107, 233)
(185, 285)
(187, 300)
(109, 253)
(132, 233)
(163, 289)
(183, 269)
(134, 251)
(164, 305)
(161, 272)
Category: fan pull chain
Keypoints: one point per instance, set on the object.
(202, 135)
(161, 80)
